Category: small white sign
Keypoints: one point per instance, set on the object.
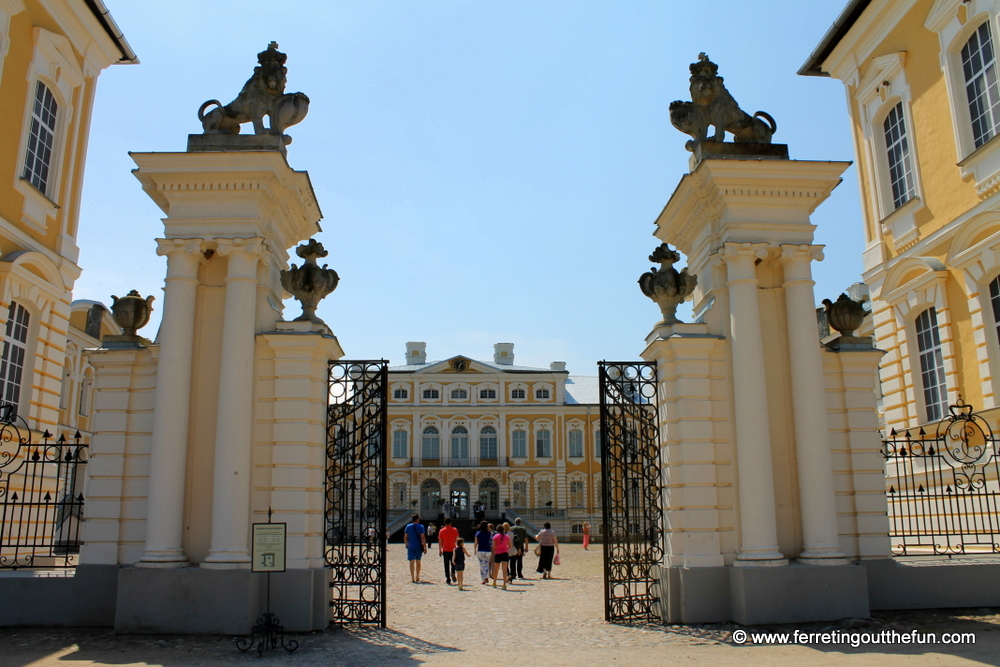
(268, 547)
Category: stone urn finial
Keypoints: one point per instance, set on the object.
(665, 285)
(131, 312)
(309, 284)
(845, 315)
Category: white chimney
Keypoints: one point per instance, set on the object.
(416, 353)
(503, 353)
(557, 366)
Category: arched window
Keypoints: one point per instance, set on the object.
(15, 350)
(430, 444)
(41, 138)
(488, 443)
(931, 365)
(543, 444)
(576, 443)
(519, 444)
(459, 443)
(897, 148)
(995, 302)
(399, 444)
(979, 66)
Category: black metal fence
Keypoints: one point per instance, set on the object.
(631, 489)
(356, 490)
(944, 488)
(41, 496)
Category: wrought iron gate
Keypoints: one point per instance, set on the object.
(630, 475)
(356, 490)
(41, 496)
(944, 488)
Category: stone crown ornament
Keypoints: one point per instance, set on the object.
(131, 312)
(309, 284)
(665, 285)
(711, 105)
(263, 95)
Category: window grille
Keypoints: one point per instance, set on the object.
(980, 69)
(898, 152)
(41, 138)
(931, 365)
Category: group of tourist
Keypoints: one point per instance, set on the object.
(500, 551)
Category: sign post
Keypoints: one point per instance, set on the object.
(268, 555)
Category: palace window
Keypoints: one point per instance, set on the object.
(519, 494)
(399, 494)
(430, 444)
(459, 443)
(576, 497)
(41, 138)
(542, 394)
(544, 493)
(995, 302)
(519, 444)
(400, 394)
(517, 393)
(931, 365)
(597, 444)
(399, 444)
(15, 348)
(460, 394)
(487, 393)
(543, 444)
(431, 394)
(488, 443)
(576, 443)
(898, 153)
(980, 70)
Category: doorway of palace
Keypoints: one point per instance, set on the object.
(489, 496)
(430, 494)
(631, 489)
(356, 489)
(460, 498)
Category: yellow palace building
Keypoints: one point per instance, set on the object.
(51, 53)
(518, 440)
(921, 81)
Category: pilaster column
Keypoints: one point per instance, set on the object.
(234, 427)
(820, 543)
(758, 526)
(168, 450)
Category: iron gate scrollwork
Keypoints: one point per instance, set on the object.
(631, 488)
(356, 490)
(943, 489)
(41, 496)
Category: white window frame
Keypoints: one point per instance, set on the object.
(398, 442)
(486, 433)
(457, 435)
(575, 449)
(16, 377)
(930, 358)
(882, 89)
(54, 64)
(538, 441)
(400, 394)
(427, 436)
(519, 490)
(519, 386)
(513, 452)
(954, 22)
(541, 497)
(577, 497)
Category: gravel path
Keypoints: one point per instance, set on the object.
(557, 622)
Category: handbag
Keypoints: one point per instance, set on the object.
(557, 560)
(538, 551)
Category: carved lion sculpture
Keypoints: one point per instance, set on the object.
(262, 95)
(711, 105)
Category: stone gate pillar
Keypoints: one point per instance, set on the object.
(753, 518)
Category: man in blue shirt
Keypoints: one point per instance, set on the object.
(415, 536)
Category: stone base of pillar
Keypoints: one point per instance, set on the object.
(163, 564)
(751, 596)
(199, 601)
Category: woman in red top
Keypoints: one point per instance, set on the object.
(501, 545)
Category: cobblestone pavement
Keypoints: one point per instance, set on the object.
(557, 622)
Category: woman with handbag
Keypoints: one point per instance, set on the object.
(548, 547)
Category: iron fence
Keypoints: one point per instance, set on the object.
(41, 496)
(943, 489)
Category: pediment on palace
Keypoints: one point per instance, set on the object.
(457, 365)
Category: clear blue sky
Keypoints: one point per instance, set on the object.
(488, 171)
